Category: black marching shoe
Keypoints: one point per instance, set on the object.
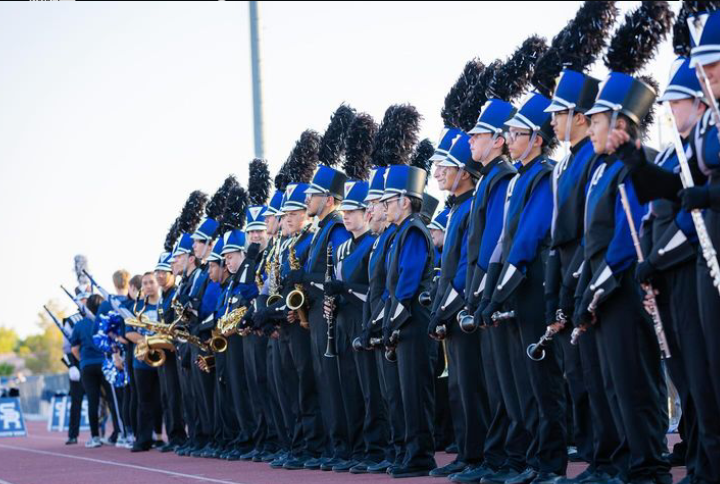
(71, 441)
(525, 477)
(499, 477)
(546, 478)
(279, 461)
(379, 468)
(295, 463)
(316, 463)
(141, 448)
(362, 467)
(472, 474)
(455, 467)
(407, 471)
(249, 455)
(345, 466)
(327, 464)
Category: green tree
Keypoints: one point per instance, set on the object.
(6, 369)
(8, 340)
(43, 352)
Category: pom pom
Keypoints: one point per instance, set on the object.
(636, 41)
(452, 109)
(358, 147)
(332, 144)
(421, 158)
(215, 206)
(512, 78)
(304, 157)
(191, 213)
(259, 182)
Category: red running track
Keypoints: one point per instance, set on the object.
(42, 458)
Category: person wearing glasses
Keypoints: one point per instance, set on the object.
(410, 266)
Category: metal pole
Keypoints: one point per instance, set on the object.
(256, 80)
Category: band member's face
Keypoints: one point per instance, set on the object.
(150, 285)
(377, 215)
(284, 230)
(233, 260)
(712, 71)
(445, 176)
(353, 220)
(215, 271)
(315, 204)
(684, 113)
(181, 261)
(258, 237)
(559, 122)
(202, 248)
(598, 132)
(163, 278)
(394, 208)
(132, 292)
(294, 220)
(518, 141)
(272, 224)
(438, 237)
(480, 145)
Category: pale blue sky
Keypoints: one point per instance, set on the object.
(111, 113)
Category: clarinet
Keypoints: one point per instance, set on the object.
(329, 302)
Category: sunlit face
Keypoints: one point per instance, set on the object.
(315, 204)
(164, 278)
(294, 220)
(272, 224)
(215, 271)
(376, 214)
(202, 248)
(395, 208)
(712, 71)
(284, 230)
(354, 220)
(559, 121)
(233, 260)
(150, 285)
(445, 176)
(258, 237)
(180, 263)
(685, 115)
(518, 141)
(598, 132)
(480, 145)
(438, 237)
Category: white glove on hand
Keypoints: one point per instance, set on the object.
(74, 373)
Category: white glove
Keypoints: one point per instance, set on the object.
(74, 373)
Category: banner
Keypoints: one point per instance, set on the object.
(59, 419)
(12, 423)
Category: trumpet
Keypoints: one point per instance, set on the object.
(205, 363)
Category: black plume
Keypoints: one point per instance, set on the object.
(215, 206)
(282, 179)
(649, 118)
(259, 182)
(421, 158)
(681, 32)
(233, 216)
(397, 135)
(332, 144)
(451, 111)
(191, 213)
(359, 146)
(577, 46)
(636, 41)
(477, 96)
(512, 78)
(304, 157)
(172, 236)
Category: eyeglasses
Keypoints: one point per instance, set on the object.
(387, 202)
(513, 135)
(555, 114)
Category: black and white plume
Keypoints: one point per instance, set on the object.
(421, 157)
(259, 182)
(172, 236)
(513, 77)
(233, 216)
(397, 135)
(358, 147)
(192, 212)
(681, 31)
(216, 205)
(451, 112)
(476, 97)
(303, 159)
(636, 41)
(332, 145)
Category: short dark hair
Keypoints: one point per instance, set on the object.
(136, 282)
(93, 303)
(415, 204)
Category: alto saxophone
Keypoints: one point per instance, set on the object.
(295, 300)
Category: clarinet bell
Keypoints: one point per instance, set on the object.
(357, 344)
(536, 352)
(467, 322)
(390, 354)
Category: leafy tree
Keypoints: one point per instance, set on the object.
(8, 340)
(43, 352)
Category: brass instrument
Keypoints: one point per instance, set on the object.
(205, 363)
(151, 349)
(273, 270)
(295, 300)
(228, 324)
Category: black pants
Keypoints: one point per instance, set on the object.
(237, 383)
(328, 384)
(444, 432)
(172, 395)
(495, 452)
(466, 370)
(309, 421)
(189, 408)
(630, 360)
(203, 390)
(77, 392)
(226, 426)
(546, 378)
(149, 406)
(282, 423)
(264, 436)
(390, 387)
(130, 402)
(94, 382)
(363, 430)
(416, 356)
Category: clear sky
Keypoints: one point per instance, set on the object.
(112, 112)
